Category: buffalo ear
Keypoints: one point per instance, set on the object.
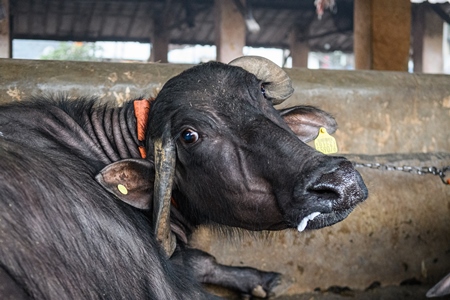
(305, 121)
(130, 180)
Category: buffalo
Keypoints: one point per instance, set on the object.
(98, 201)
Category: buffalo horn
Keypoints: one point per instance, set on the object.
(165, 158)
(277, 84)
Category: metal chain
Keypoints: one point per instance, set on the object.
(409, 169)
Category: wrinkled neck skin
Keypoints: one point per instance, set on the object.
(108, 132)
(113, 130)
(94, 135)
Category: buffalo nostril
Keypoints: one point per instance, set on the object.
(337, 190)
(340, 183)
(324, 192)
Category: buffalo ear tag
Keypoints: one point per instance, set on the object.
(122, 189)
(325, 143)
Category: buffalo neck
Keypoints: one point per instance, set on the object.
(114, 130)
(82, 129)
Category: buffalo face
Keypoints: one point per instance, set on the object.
(240, 162)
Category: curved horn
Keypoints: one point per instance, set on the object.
(165, 159)
(277, 84)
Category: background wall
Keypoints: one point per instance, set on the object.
(401, 232)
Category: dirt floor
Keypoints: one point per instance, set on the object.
(382, 293)
(406, 292)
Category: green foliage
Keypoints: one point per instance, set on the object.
(75, 51)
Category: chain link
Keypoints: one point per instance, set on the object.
(409, 169)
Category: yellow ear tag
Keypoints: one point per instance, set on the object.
(325, 143)
(122, 189)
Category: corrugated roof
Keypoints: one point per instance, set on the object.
(191, 22)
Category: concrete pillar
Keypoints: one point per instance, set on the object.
(391, 32)
(382, 34)
(230, 30)
(160, 40)
(362, 45)
(5, 36)
(299, 47)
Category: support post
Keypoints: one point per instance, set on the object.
(362, 34)
(299, 47)
(5, 35)
(418, 32)
(160, 39)
(382, 34)
(230, 31)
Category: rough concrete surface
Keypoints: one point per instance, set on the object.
(384, 293)
(405, 292)
(401, 232)
(377, 112)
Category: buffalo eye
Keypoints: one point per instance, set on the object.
(189, 136)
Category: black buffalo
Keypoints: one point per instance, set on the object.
(86, 188)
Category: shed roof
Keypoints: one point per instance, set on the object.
(191, 22)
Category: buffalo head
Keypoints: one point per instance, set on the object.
(228, 156)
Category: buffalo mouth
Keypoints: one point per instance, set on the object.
(317, 219)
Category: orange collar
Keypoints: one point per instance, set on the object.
(141, 110)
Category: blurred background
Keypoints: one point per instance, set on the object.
(315, 34)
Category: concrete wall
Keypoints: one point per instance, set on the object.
(377, 112)
(380, 112)
(402, 231)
